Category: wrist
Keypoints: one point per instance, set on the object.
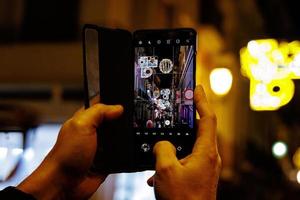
(204, 194)
(47, 182)
(197, 196)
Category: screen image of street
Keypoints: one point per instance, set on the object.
(163, 87)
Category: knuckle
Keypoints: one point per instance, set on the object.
(76, 123)
(213, 118)
(166, 168)
(214, 158)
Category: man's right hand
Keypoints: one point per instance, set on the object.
(195, 176)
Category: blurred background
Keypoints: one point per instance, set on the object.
(248, 61)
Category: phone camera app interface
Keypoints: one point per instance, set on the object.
(163, 86)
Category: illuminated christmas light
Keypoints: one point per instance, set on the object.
(296, 158)
(298, 176)
(279, 149)
(272, 64)
(220, 81)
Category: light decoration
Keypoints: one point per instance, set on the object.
(220, 81)
(279, 149)
(271, 67)
(296, 158)
(298, 176)
(166, 66)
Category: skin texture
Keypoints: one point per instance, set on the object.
(64, 173)
(196, 176)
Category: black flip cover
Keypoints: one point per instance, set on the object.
(115, 139)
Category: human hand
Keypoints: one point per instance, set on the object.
(64, 172)
(195, 176)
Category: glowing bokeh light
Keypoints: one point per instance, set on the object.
(298, 176)
(279, 149)
(272, 64)
(220, 81)
(296, 158)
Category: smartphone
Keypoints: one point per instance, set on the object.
(152, 74)
(164, 82)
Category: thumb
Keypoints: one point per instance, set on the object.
(206, 133)
(93, 116)
(165, 155)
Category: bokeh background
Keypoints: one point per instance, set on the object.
(41, 85)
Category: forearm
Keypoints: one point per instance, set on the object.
(205, 195)
(46, 182)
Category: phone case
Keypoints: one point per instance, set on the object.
(115, 152)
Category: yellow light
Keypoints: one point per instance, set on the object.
(270, 66)
(277, 55)
(220, 81)
(295, 66)
(298, 176)
(253, 48)
(296, 158)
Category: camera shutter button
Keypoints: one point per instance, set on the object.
(145, 147)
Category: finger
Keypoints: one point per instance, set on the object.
(197, 122)
(93, 101)
(202, 105)
(165, 155)
(80, 110)
(93, 116)
(206, 131)
(150, 181)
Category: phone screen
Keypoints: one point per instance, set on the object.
(164, 81)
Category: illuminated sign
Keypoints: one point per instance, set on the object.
(270, 65)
